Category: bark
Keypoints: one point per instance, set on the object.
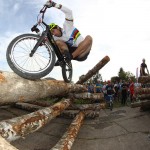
(41, 103)
(94, 70)
(16, 89)
(18, 127)
(97, 106)
(144, 103)
(68, 138)
(140, 91)
(4, 145)
(86, 95)
(28, 107)
(144, 79)
(144, 96)
(31, 107)
(89, 114)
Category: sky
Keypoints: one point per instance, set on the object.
(120, 29)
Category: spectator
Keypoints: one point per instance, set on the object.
(116, 87)
(124, 93)
(98, 86)
(142, 69)
(131, 88)
(90, 88)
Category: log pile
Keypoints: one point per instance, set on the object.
(143, 94)
(23, 94)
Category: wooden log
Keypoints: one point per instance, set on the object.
(16, 89)
(41, 103)
(4, 145)
(96, 106)
(140, 91)
(31, 107)
(144, 79)
(94, 70)
(67, 140)
(140, 103)
(86, 95)
(28, 107)
(18, 127)
(89, 114)
(144, 96)
(91, 110)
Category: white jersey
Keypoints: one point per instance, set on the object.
(70, 34)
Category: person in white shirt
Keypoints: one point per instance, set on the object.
(68, 38)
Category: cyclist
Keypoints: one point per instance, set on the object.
(68, 38)
(109, 90)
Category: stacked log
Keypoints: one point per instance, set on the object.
(18, 91)
(143, 94)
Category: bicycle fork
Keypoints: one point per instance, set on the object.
(41, 39)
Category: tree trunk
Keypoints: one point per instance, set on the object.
(18, 127)
(86, 95)
(96, 106)
(28, 107)
(67, 140)
(144, 96)
(141, 103)
(4, 145)
(144, 79)
(89, 114)
(16, 89)
(140, 91)
(94, 70)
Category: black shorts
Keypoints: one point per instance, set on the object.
(72, 49)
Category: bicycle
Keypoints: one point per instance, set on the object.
(32, 56)
(110, 99)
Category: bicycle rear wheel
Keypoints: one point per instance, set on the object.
(19, 60)
(67, 72)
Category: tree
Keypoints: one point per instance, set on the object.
(126, 75)
(122, 74)
(115, 79)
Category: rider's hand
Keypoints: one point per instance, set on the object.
(50, 3)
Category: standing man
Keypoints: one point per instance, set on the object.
(98, 86)
(68, 38)
(124, 93)
(143, 67)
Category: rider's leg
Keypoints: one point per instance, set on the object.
(62, 46)
(83, 48)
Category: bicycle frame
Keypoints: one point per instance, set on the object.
(47, 34)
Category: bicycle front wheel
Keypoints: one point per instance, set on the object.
(67, 72)
(20, 61)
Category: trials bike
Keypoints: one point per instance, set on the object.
(32, 56)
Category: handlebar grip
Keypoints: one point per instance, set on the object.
(34, 28)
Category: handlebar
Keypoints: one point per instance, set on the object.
(39, 20)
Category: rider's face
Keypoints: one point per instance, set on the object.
(56, 32)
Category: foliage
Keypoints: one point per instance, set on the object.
(93, 79)
(122, 75)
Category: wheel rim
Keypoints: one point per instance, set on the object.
(40, 61)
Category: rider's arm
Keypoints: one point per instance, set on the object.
(66, 11)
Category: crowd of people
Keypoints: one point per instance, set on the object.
(121, 90)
